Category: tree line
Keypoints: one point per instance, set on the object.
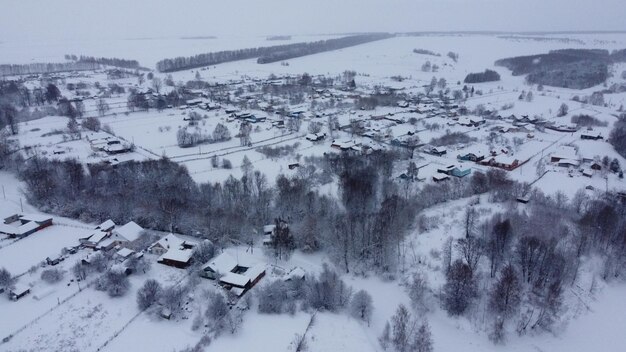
(109, 61)
(264, 54)
(37, 68)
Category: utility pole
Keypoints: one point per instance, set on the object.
(4, 194)
(21, 205)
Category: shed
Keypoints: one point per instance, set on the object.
(18, 291)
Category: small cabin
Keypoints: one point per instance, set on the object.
(18, 291)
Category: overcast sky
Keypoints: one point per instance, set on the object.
(88, 19)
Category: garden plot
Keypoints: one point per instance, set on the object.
(90, 319)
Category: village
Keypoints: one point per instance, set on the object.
(76, 277)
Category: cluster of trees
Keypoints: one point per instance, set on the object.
(526, 264)
(584, 120)
(451, 138)
(406, 334)
(304, 49)
(429, 67)
(568, 68)
(36, 68)
(618, 135)
(362, 229)
(123, 63)
(264, 54)
(426, 52)
(480, 77)
(190, 136)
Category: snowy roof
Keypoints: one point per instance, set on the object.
(295, 273)
(107, 225)
(235, 279)
(19, 289)
(237, 291)
(268, 228)
(440, 177)
(35, 217)
(169, 241)
(569, 162)
(255, 271)
(565, 152)
(177, 255)
(125, 252)
(223, 263)
(18, 230)
(97, 236)
(505, 159)
(131, 231)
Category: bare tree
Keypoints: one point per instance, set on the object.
(361, 306)
(148, 294)
(102, 106)
(157, 84)
(402, 329)
(6, 279)
(506, 293)
(423, 341)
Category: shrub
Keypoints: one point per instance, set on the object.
(52, 276)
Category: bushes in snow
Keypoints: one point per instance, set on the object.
(327, 291)
(587, 121)
(274, 298)
(451, 138)
(148, 294)
(52, 275)
(405, 334)
(361, 306)
(114, 282)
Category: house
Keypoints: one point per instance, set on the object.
(124, 253)
(296, 273)
(344, 145)
(315, 137)
(220, 265)
(596, 166)
(243, 279)
(173, 251)
(591, 135)
(446, 170)
(128, 233)
(106, 226)
(178, 257)
(568, 163)
(523, 199)
(564, 152)
(460, 172)
(94, 238)
(168, 242)
(22, 225)
(268, 230)
(587, 172)
(440, 177)
(505, 162)
(233, 275)
(18, 291)
(438, 151)
(471, 156)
